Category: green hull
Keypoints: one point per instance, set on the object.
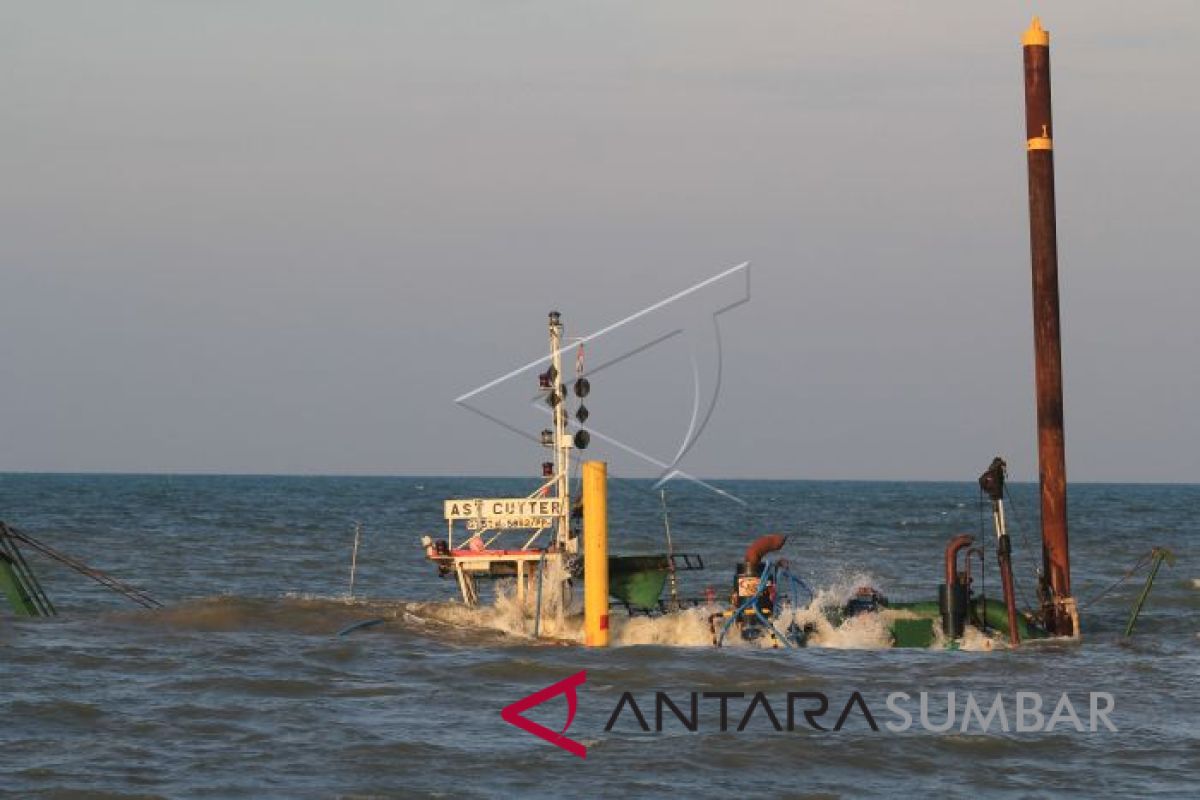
(914, 632)
(637, 581)
(920, 632)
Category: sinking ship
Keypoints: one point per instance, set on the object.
(526, 539)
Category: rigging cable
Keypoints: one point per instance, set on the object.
(1141, 563)
(104, 579)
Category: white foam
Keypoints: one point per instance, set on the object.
(562, 620)
(686, 628)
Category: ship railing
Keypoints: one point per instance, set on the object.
(496, 533)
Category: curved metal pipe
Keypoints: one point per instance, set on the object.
(954, 616)
(761, 546)
(956, 544)
(974, 551)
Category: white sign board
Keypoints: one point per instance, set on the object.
(505, 512)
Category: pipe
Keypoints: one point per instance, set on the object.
(992, 482)
(978, 551)
(1058, 604)
(974, 551)
(956, 544)
(595, 554)
(537, 614)
(955, 598)
(761, 546)
(1004, 555)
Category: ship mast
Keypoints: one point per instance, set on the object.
(562, 442)
(1058, 606)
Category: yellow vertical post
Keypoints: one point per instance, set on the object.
(595, 554)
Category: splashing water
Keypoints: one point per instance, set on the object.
(562, 619)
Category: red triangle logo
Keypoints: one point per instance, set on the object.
(512, 713)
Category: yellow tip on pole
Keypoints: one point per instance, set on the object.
(1036, 35)
(595, 554)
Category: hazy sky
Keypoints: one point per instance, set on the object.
(283, 236)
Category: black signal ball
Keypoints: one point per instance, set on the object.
(582, 413)
(582, 387)
(582, 439)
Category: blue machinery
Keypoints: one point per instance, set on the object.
(757, 597)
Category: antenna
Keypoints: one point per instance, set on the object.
(354, 556)
(674, 605)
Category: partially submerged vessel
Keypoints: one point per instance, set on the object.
(768, 600)
(766, 595)
(534, 544)
(957, 605)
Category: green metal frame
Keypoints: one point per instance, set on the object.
(17, 581)
(14, 589)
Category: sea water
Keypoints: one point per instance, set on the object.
(240, 686)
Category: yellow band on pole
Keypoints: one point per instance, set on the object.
(1040, 143)
(1036, 35)
(595, 554)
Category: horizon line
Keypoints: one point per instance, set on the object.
(359, 475)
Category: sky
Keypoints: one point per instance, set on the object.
(277, 236)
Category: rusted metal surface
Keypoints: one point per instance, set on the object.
(763, 545)
(955, 544)
(1039, 130)
(1010, 598)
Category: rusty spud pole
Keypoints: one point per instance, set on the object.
(1058, 605)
